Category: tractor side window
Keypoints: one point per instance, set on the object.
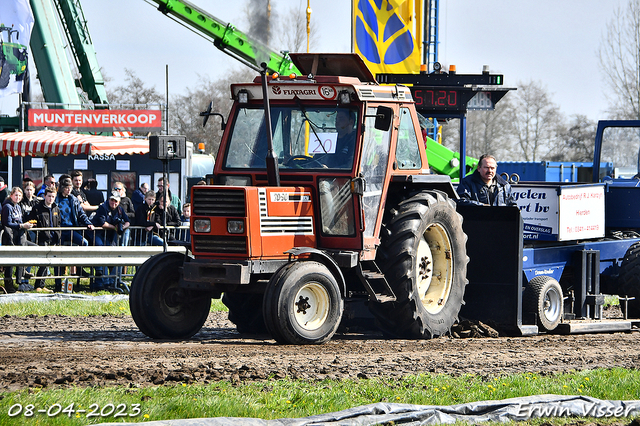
(375, 156)
(408, 149)
(336, 206)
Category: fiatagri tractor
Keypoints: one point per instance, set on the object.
(322, 212)
(13, 57)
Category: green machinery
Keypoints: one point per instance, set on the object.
(13, 56)
(59, 86)
(57, 80)
(227, 38)
(444, 161)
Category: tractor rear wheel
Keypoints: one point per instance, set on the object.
(629, 280)
(303, 304)
(5, 74)
(543, 297)
(245, 311)
(424, 259)
(159, 306)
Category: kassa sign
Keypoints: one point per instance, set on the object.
(95, 120)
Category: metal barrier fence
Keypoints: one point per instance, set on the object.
(85, 259)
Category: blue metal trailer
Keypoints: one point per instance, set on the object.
(546, 265)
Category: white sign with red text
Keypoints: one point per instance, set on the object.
(581, 213)
(561, 213)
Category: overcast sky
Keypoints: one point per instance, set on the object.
(554, 42)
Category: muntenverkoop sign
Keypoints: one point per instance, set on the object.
(95, 120)
(561, 212)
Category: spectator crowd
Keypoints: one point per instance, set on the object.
(31, 217)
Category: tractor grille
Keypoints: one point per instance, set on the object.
(219, 202)
(219, 244)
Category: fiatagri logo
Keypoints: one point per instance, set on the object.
(277, 90)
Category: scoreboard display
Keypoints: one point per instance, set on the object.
(454, 94)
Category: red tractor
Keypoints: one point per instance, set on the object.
(322, 207)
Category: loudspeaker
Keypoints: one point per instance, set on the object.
(167, 147)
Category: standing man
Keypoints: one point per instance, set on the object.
(484, 187)
(78, 192)
(138, 195)
(127, 205)
(72, 215)
(47, 215)
(48, 181)
(175, 201)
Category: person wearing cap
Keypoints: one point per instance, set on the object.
(114, 221)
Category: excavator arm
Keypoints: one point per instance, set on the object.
(226, 37)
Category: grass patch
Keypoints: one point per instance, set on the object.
(77, 307)
(291, 399)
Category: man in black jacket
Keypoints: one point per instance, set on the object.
(127, 205)
(114, 221)
(485, 187)
(163, 208)
(47, 215)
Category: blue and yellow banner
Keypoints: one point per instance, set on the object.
(387, 34)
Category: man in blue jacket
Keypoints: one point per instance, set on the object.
(114, 221)
(485, 187)
(72, 215)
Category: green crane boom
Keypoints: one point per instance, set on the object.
(227, 38)
(75, 26)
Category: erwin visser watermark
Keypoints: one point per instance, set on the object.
(595, 409)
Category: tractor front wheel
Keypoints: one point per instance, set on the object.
(303, 304)
(159, 306)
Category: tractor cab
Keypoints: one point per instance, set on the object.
(332, 134)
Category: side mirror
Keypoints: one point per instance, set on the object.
(207, 113)
(384, 116)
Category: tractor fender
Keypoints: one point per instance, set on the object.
(323, 258)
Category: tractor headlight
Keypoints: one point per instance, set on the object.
(235, 226)
(202, 225)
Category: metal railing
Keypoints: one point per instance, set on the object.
(97, 258)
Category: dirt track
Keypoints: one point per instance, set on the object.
(86, 351)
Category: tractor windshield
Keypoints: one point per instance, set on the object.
(304, 137)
